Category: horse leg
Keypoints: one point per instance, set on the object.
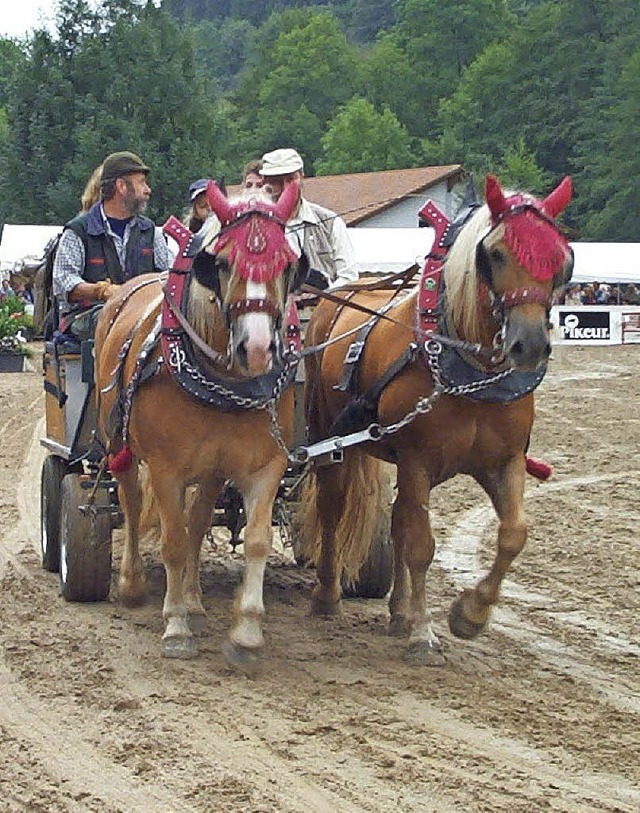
(325, 600)
(132, 585)
(399, 623)
(178, 641)
(414, 547)
(470, 612)
(245, 638)
(198, 523)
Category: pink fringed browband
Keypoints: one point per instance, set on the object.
(259, 251)
(529, 228)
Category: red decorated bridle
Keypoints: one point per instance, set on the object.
(531, 233)
(253, 235)
(509, 211)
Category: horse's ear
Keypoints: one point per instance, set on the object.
(287, 201)
(220, 206)
(494, 196)
(558, 200)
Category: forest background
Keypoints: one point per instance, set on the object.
(529, 89)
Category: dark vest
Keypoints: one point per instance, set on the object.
(101, 257)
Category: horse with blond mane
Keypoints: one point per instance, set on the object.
(454, 399)
(193, 377)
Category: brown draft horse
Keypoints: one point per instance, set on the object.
(236, 303)
(499, 278)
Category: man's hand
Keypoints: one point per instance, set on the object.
(103, 291)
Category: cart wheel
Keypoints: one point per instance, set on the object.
(376, 573)
(53, 470)
(85, 544)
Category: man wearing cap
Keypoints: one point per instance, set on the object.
(319, 232)
(109, 244)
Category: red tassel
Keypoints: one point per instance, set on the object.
(121, 462)
(538, 468)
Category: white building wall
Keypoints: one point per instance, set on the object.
(404, 214)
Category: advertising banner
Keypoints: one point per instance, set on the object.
(582, 324)
(631, 326)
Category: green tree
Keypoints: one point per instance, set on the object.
(360, 139)
(304, 70)
(442, 39)
(519, 169)
(123, 77)
(612, 170)
(388, 79)
(222, 49)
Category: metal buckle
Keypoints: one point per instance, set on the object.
(354, 352)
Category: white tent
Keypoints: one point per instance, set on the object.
(387, 250)
(377, 250)
(23, 243)
(606, 262)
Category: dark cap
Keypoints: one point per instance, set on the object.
(121, 163)
(197, 188)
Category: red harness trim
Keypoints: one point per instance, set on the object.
(243, 306)
(524, 296)
(431, 276)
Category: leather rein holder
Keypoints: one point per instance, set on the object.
(174, 323)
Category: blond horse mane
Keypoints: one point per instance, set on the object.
(461, 277)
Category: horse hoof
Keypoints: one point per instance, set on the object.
(325, 609)
(399, 626)
(197, 623)
(424, 653)
(181, 648)
(242, 658)
(460, 625)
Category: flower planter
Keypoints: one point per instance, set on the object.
(11, 362)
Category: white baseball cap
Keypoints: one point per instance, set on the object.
(281, 162)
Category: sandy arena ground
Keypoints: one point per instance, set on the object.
(538, 714)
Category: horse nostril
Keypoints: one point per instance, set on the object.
(241, 353)
(516, 349)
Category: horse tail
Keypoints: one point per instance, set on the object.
(360, 485)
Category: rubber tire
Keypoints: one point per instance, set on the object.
(376, 573)
(85, 546)
(53, 471)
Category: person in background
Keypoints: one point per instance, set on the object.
(600, 293)
(199, 210)
(91, 194)
(6, 290)
(573, 295)
(251, 177)
(318, 232)
(588, 296)
(104, 247)
(614, 296)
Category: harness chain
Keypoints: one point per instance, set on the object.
(423, 406)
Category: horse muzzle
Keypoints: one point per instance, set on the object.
(527, 343)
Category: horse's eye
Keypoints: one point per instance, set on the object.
(222, 266)
(496, 256)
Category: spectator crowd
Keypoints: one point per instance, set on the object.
(599, 293)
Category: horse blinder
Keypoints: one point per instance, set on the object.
(207, 268)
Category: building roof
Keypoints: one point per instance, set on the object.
(359, 196)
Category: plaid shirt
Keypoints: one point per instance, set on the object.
(68, 265)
